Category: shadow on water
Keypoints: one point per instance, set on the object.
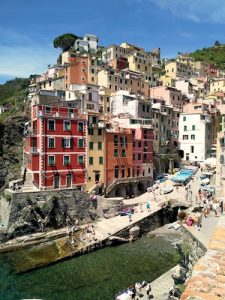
(95, 276)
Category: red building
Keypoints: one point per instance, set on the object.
(55, 146)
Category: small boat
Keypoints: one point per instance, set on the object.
(205, 181)
(167, 189)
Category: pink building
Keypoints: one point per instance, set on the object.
(170, 95)
(142, 138)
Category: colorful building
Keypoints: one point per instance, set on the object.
(95, 152)
(55, 151)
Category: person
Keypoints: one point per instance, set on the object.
(221, 205)
(199, 219)
(148, 289)
(138, 288)
(129, 215)
(148, 206)
(215, 208)
(154, 195)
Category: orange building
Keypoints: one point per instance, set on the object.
(76, 72)
(118, 154)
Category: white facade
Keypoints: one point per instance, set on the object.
(89, 43)
(124, 103)
(195, 137)
(186, 88)
(86, 95)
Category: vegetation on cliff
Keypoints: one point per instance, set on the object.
(13, 96)
(214, 55)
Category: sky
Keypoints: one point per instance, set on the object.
(28, 27)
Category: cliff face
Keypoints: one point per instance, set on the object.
(11, 148)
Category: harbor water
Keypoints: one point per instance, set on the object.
(95, 276)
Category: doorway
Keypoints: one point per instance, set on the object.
(68, 180)
(56, 181)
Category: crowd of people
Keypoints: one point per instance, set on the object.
(136, 292)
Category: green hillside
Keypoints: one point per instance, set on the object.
(12, 95)
(13, 90)
(214, 55)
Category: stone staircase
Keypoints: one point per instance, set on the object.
(28, 185)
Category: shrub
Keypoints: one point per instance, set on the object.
(8, 197)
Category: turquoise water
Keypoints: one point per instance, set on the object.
(95, 276)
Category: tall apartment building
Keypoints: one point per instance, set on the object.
(195, 134)
(55, 151)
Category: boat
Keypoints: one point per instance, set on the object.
(167, 189)
(205, 181)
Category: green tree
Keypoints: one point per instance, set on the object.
(65, 41)
(217, 43)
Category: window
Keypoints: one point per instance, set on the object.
(66, 143)
(139, 144)
(115, 140)
(133, 156)
(139, 156)
(115, 152)
(91, 145)
(67, 126)
(184, 119)
(51, 143)
(51, 160)
(80, 143)
(51, 125)
(80, 159)
(192, 149)
(80, 126)
(90, 131)
(66, 160)
(107, 99)
(116, 172)
(91, 160)
(99, 132)
(123, 153)
(99, 146)
(193, 127)
(48, 109)
(143, 107)
(100, 160)
(185, 137)
(185, 128)
(192, 137)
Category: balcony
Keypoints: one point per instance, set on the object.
(64, 115)
(34, 150)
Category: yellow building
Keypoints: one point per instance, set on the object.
(176, 69)
(104, 103)
(131, 47)
(167, 80)
(217, 85)
(140, 62)
(95, 152)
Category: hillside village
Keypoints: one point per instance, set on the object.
(111, 119)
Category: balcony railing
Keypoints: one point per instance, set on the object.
(41, 114)
(34, 150)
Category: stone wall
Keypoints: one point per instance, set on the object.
(152, 222)
(192, 248)
(208, 276)
(40, 211)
